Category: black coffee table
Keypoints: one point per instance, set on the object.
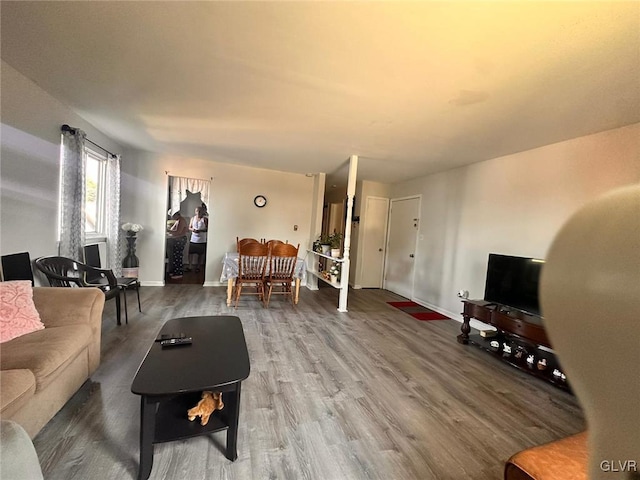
(171, 380)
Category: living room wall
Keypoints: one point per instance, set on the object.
(512, 205)
(30, 151)
(231, 210)
(30, 155)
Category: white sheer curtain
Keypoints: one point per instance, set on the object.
(178, 187)
(114, 249)
(72, 194)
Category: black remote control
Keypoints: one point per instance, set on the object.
(169, 336)
(174, 342)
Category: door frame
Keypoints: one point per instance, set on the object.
(417, 196)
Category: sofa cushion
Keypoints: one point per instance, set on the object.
(18, 314)
(16, 389)
(46, 352)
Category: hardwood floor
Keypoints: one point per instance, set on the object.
(368, 394)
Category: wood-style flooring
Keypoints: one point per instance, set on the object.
(368, 394)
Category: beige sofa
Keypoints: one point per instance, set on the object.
(42, 370)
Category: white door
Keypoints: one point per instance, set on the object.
(336, 218)
(404, 223)
(374, 234)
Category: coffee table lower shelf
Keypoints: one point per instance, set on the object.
(173, 424)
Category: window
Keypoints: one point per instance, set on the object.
(95, 188)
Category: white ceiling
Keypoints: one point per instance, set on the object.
(411, 87)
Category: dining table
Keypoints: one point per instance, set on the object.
(230, 273)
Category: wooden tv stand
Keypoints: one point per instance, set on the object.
(520, 340)
(504, 318)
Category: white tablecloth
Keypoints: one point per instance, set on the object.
(230, 267)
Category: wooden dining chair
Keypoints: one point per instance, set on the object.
(252, 263)
(244, 241)
(66, 272)
(274, 242)
(282, 264)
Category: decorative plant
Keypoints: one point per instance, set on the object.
(321, 240)
(335, 239)
(132, 228)
(324, 239)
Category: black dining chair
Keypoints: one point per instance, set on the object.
(66, 272)
(17, 266)
(92, 258)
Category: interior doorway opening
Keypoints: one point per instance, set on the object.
(190, 197)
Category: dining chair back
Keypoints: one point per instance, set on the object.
(274, 242)
(66, 272)
(282, 264)
(17, 266)
(244, 241)
(252, 263)
(92, 258)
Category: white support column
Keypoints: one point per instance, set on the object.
(316, 227)
(344, 274)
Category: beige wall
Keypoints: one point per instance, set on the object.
(31, 120)
(231, 211)
(30, 155)
(512, 205)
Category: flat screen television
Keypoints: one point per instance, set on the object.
(513, 281)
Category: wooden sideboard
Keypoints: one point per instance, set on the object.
(520, 340)
(504, 318)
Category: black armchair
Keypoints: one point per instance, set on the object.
(92, 258)
(66, 272)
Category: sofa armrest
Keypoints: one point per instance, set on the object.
(67, 306)
(59, 306)
(19, 457)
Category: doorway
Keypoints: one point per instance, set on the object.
(404, 224)
(187, 194)
(374, 237)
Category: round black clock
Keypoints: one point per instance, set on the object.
(260, 201)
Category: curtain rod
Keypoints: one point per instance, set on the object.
(166, 172)
(67, 128)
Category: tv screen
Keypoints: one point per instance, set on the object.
(513, 281)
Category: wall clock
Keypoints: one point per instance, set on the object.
(260, 201)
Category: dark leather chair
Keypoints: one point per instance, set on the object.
(558, 460)
(92, 258)
(66, 272)
(17, 266)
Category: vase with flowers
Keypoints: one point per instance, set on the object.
(130, 262)
(334, 272)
